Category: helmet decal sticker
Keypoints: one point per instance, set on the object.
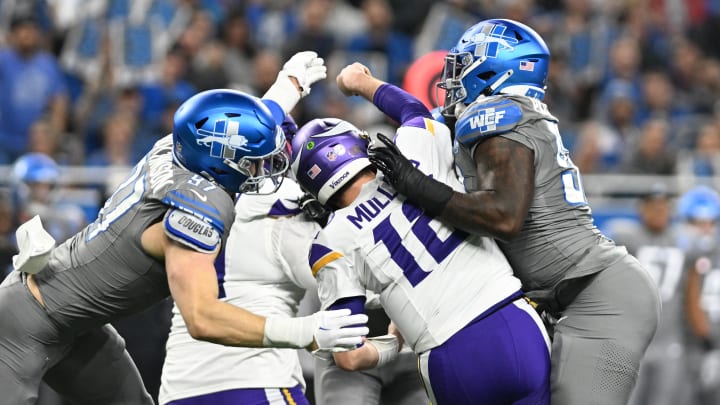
(313, 172)
(224, 139)
(491, 40)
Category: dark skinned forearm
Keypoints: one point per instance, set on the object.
(506, 174)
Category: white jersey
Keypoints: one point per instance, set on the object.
(432, 279)
(266, 272)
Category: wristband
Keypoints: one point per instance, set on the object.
(387, 348)
(283, 92)
(295, 333)
(434, 194)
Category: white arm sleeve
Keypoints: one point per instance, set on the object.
(292, 239)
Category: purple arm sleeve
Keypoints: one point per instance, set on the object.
(400, 105)
(355, 304)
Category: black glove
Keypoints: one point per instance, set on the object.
(420, 189)
(314, 210)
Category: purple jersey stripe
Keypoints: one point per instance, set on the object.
(279, 209)
(250, 396)
(355, 304)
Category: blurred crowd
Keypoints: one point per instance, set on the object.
(634, 83)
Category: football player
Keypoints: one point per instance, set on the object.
(451, 295)
(663, 378)
(522, 188)
(263, 269)
(699, 211)
(158, 234)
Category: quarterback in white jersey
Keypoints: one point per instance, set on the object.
(426, 273)
(264, 270)
(452, 295)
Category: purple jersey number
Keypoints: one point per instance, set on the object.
(438, 249)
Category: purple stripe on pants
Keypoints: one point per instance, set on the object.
(502, 358)
(249, 396)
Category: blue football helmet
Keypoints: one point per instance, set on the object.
(35, 168)
(326, 154)
(34, 178)
(230, 138)
(699, 203)
(492, 57)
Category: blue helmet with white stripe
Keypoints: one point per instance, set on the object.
(699, 203)
(492, 57)
(231, 138)
(35, 168)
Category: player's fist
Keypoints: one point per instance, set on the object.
(352, 78)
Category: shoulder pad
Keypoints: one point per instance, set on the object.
(192, 231)
(207, 204)
(485, 119)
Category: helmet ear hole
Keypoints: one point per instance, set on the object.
(200, 123)
(486, 75)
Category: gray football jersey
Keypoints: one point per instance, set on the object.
(558, 239)
(706, 261)
(102, 272)
(665, 261)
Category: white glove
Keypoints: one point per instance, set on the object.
(327, 328)
(307, 68)
(334, 332)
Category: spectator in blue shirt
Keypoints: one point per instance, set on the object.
(32, 85)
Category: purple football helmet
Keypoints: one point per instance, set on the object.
(326, 154)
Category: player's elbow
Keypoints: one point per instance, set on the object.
(507, 229)
(198, 330)
(499, 224)
(199, 327)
